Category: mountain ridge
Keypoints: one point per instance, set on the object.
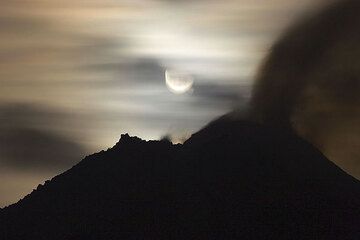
(232, 179)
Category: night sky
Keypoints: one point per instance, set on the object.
(75, 74)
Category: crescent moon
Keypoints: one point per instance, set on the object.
(178, 82)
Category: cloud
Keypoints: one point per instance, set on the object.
(37, 142)
(311, 82)
(224, 93)
(131, 73)
(103, 62)
(301, 59)
(28, 142)
(37, 150)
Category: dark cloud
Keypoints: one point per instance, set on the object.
(28, 142)
(311, 82)
(30, 149)
(18, 114)
(126, 74)
(13, 24)
(218, 92)
(304, 52)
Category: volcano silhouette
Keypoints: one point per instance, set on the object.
(231, 180)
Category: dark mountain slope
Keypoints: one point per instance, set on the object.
(231, 180)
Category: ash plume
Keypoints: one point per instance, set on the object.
(310, 82)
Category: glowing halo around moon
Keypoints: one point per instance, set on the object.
(178, 82)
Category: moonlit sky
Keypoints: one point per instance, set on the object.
(75, 74)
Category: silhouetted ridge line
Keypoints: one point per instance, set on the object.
(230, 180)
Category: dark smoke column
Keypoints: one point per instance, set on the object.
(299, 61)
(310, 82)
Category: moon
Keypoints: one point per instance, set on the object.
(178, 82)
